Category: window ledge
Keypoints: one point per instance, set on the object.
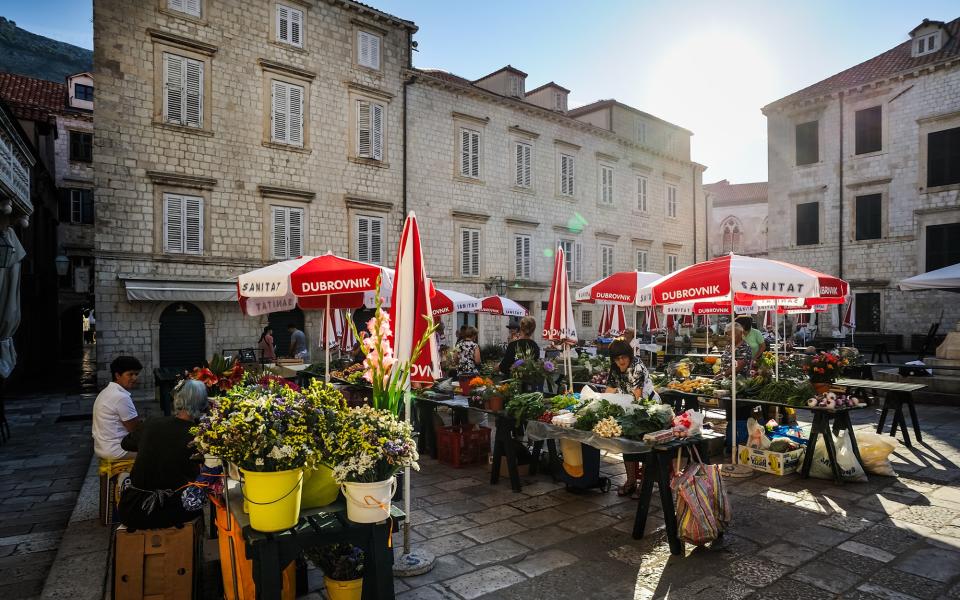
(184, 129)
(605, 206)
(524, 190)
(571, 199)
(880, 152)
(290, 47)
(201, 20)
(471, 180)
(808, 165)
(640, 213)
(279, 146)
(369, 70)
(80, 162)
(940, 188)
(370, 162)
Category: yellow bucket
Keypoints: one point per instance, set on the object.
(273, 498)
(319, 488)
(343, 590)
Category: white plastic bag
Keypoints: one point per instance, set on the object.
(850, 468)
(756, 435)
(875, 451)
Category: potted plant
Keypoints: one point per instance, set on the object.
(369, 447)
(823, 369)
(342, 566)
(272, 433)
(531, 372)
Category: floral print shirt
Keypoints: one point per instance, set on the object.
(744, 353)
(635, 377)
(465, 364)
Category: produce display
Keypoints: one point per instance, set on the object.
(694, 385)
(634, 421)
(525, 407)
(352, 374)
(831, 400)
(608, 428)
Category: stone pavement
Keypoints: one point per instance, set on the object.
(791, 538)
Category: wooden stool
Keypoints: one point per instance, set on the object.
(159, 564)
(114, 478)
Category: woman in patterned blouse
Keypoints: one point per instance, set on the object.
(629, 376)
(744, 353)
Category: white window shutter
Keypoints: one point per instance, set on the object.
(527, 165)
(296, 115)
(283, 23)
(527, 270)
(474, 154)
(475, 252)
(296, 27)
(368, 50)
(363, 129)
(363, 239)
(465, 252)
(279, 232)
(519, 159)
(376, 241)
(376, 129)
(571, 176)
(176, 5)
(465, 152)
(295, 233)
(518, 256)
(374, 52)
(280, 107)
(578, 261)
(192, 7)
(173, 88)
(172, 223)
(194, 93)
(193, 225)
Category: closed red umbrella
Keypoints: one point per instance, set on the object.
(613, 321)
(558, 324)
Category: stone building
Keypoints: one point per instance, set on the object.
(864, 178)
(499, 177)
(229, 135)
(736, 218)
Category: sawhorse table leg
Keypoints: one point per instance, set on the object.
(656, 465)
(503, 446)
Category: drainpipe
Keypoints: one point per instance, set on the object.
(406, 83)
(693, 171)
(840, 193)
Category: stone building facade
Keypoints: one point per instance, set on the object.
(227, 139)
(736, 218)
(499, 179)
(864, 178)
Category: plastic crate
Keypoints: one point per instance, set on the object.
(462, 445)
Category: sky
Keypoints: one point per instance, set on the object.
(706, 65)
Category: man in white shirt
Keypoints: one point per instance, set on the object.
(114, 415)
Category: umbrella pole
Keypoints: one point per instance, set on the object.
(707, 350)
(326, 343)
(776, 349)
(406, 481)
(734, 469)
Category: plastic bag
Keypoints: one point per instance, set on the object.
(791, 432)
(703, 509)
(875, 451)
(850, 468)
(691, 421)
(756, 435)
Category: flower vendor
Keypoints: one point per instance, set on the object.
(164, 467)
(629, 376)
(468, 356)
(114, 415)
(521, 346)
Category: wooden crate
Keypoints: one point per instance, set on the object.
(157, 564)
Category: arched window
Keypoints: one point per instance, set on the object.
(732, 233)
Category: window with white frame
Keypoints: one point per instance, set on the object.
(559, 101)
(671, 193)
(522, 256)
(606, 260)
(641, 260)
(182, 90)
(567, 175)
(289, 25)
(286, 125)
(469, 153)
(671, 263)
(523, 154)
(606, 184)
(76, 206)
(586, 318)
(641, 132)
(369, 239)
(182, 224)
(641, 193)
(469, 252)
(573, 259)
(287, 241)
(368, 50)
(190, 7)
(370, 130)
(927, 44)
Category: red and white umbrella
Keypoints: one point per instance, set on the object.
(803, 318)
(686, 321)
(501, 305)
(613, 320)
(850, 314)
(347, 339)
(619, 288)
(768, 319)
(558, 324)
(332, 327)
(445, 302)
(652, 320)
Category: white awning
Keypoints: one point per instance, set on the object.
(157, 290)
(947, 278)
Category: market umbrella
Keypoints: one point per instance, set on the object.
(445, 302)
(558, 324)
(612, 321)
(621, 287)
(652, 320)
(9, 302)
(410, 318)
(687, 321)
(850, 316)
(332, 327)
(347, 339)
(947, 278)
(501, 305)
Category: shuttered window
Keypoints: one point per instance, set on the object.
(470, 252)
(81, 146)
(606, 185)
(671, 192)
(183, 90)
(190, 7)
(586, 318)
(287, 232)
(76, 206)
(523, 155)
(290, 25)
(369, 130)
(182, 224)
(370, 239)
(573, 259)
(470, 153)
(641, 260)
(522, 256)
(606, 260)
(286, 126)
(368, 50)
(942, 247)
(808, 143)
(671, 263)
(567, 175)
(642, 194)
(869, 130)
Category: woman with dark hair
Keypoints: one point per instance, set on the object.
(267, 353)
(629, 376)
(522, 346)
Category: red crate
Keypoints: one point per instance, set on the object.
(459, 446)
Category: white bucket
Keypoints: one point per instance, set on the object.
(369, 502)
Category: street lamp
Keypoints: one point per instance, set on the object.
(497, 285)
(63, 265)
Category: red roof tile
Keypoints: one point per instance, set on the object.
(32, 99)
(892, 62)
(726, 192)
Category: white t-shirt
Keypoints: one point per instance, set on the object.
(113, 406)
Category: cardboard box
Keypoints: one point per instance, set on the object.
(159, 564)
(522, 470)
(777, 463)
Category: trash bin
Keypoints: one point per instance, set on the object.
(164, 379)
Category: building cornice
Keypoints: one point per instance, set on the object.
(471, 118)
(284, 193)
(516, 129)
(367, 204)
(521, 222)
(276, 67)
(463, 215)
(367, 90)
(606, 157)
(570, 145)
(855, 185)
(182, 42)
(181, 180)
(807, 191)
(606, 235)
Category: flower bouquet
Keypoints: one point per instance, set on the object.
(342, 566)
(531, 371)
(824, 368)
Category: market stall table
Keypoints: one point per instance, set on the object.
(270, 553)
(897, 394)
